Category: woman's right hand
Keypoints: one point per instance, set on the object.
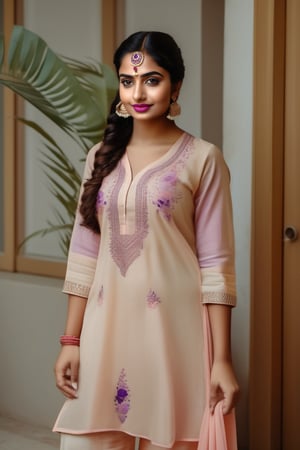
(66, 371)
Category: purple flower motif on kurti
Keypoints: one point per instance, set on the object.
(100, 200)
(167, 194)
(152, 299)
(122, 397)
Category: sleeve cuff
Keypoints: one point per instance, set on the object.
(218, 286)
(80, 275)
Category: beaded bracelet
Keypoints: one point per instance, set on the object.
(69, 340)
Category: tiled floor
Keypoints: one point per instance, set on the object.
(15, 435)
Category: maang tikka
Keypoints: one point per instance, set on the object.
(136, 60)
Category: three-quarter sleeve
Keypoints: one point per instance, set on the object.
(214, 231)
(84, 246)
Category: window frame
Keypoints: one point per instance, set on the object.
(7, 256)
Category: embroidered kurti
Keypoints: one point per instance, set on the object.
(166, 247)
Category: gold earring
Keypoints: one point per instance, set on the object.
(174, 110)
(121, 111)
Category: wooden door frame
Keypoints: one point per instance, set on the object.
(267, 203)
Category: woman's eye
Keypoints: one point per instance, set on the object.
(126, 83)
(152, 81)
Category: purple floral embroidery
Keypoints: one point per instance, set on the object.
(100, 296)
(100, 200)
(167, 194)
(152, 299)
(122, 397)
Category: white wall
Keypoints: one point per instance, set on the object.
(32, 312)
(237, 146)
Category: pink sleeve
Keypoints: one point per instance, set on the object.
(214, 231)
(84, 247)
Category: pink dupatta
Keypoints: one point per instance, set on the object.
(218, 431)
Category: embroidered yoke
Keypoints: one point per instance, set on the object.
(166, 247)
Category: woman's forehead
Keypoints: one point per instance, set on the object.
(139, 62)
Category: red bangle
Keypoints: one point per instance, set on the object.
(69, 340)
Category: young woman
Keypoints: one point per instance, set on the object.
(152, 244)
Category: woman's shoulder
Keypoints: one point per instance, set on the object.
(89, 161)
(91, 153)
(93, 149)
(208, 158)
(206, 152)
(206, 147)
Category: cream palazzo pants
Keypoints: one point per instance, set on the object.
(114, 440)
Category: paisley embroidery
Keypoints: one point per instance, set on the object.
(122, 397)
(152, 299)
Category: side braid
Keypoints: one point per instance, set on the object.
(116, 137)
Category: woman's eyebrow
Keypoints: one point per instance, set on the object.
(143, 75)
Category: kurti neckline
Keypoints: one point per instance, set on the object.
(173, 148)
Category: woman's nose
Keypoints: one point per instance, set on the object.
(138, 93)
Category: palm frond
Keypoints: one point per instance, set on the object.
(44, 231)
(36, 127)
(45, 80)
(75, 96)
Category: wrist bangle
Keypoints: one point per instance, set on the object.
(69, 340)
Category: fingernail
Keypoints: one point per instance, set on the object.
(74, 385)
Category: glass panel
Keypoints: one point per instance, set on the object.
(50, 20)
(1, 150)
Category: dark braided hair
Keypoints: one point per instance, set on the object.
(165, 52)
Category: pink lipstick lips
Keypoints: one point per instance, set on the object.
(140, 108)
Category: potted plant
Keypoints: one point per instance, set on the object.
(75, 96)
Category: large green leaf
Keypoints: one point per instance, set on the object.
(48, 82)
(64, 186)
(76, 96)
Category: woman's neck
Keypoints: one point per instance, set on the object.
(162, 131)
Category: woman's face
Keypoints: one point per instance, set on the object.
(145, 90)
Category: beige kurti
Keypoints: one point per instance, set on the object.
(166, 246)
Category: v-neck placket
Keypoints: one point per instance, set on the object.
(127, 225)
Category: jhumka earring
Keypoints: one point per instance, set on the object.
(121, 111)
(174, 110)
(136, 60)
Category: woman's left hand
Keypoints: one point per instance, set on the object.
(223, 386)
